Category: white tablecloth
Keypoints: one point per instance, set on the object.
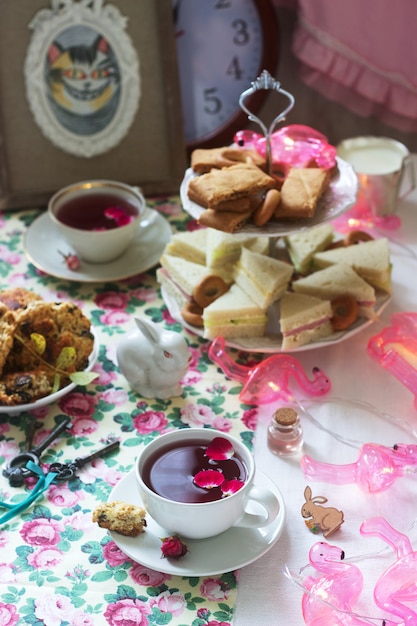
(265, 595)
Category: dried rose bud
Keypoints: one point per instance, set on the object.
(71, 261)
(172, 547)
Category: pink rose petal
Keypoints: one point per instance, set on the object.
(119, 215)
(114, 212)
(208, 479)
(229, 487)
(220, 449)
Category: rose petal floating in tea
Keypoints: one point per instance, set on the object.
(119, 215)
(220, 449)
(229, 487)
(208, 479)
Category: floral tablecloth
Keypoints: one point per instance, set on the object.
(56, 566)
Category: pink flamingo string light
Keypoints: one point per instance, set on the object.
(396, 588)
(295, 145)
(332, 595)
(375, 470)
(390, 346)
(269, 380)
(329, 598)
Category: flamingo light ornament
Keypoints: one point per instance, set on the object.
(332, 595)
(376, 468)
(269, 380)
(398, 584)
(295, 145)
(395, 349)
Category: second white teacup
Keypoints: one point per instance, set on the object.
(98, 218)
(177, 458)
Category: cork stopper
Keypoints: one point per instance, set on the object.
(285, 416)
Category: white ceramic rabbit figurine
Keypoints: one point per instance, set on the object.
(153, 360)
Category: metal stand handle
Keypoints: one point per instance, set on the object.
(266, 81)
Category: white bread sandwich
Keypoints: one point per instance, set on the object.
(234, 314)
(179, 277)
(190, 245)
(370, 259)
(302, 245)
(303, 319)
(224, 248)
(262, 277)
(337, 280)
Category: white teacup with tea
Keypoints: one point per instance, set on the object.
(198, 483)
(98, 218)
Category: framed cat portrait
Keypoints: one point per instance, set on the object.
(88, 89)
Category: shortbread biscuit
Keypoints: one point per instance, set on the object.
(301, 191)
(227, 221)
(230, 183)
(231, 156)
(237, 205)
(205, 159)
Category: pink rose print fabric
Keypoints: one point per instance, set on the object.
(57, 567)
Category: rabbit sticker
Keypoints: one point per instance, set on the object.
(327, 519)
(153, 360)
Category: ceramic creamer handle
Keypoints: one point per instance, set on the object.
(409, 170)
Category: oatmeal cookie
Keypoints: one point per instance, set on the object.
(125, 519)
(62, 324)
(24, 387)
(17, 297)
(7, 330)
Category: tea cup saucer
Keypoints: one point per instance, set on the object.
(226, 552)
(44, 247)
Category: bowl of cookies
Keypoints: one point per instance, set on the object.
(47, 348)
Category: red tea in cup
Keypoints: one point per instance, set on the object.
(96, 211)
(170, 472)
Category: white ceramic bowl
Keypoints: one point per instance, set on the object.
(101, 245)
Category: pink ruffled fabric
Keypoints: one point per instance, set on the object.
(362, 54)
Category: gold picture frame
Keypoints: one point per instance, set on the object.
(151, 151)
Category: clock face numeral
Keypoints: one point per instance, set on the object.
(222, 4)
(220, 46)
(234, 69)
(242, 35)
(212, 101)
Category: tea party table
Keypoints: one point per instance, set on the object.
(57, 567)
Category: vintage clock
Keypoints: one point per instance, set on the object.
(222, 46)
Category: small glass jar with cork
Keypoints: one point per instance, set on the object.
(285, 433)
